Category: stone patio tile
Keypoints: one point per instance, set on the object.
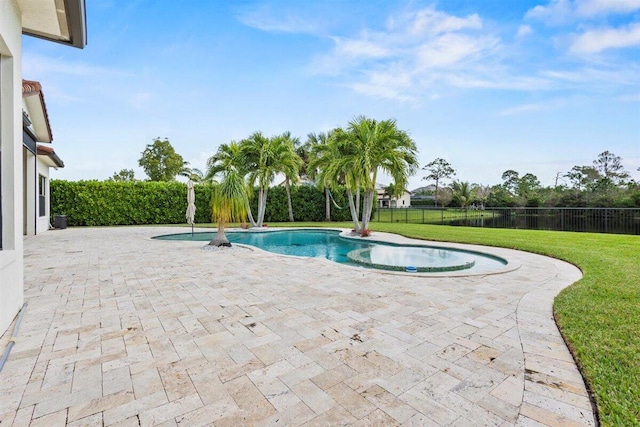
(209, 413)
(116, 380)
(169, 411)
(333, 376)
(390, 404)
(313, 396)
(295, 415)
(510, 390)
(22, 417)
(549, 418)
(435, 412)
(565, 410)
(133, 408)
(336, 417)
(553, 392)
(91, 420)
(51, 420)
(123, 314)
(500, 407)
(146, 383)
(253, 403)
(86, 408)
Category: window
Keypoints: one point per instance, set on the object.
(42, 189)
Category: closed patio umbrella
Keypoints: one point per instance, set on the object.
(191, 205)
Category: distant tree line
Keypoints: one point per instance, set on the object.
(331, 159)
(604, 183)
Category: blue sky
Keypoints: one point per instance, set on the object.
(536, 86)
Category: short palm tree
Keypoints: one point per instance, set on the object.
(230, 157)
(229, 204)
(462, 193)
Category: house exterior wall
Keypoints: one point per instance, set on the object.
(11, 262)
(42, 222)
(404, 201)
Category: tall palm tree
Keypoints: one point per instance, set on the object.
(320, 155)
(290, 164)
(329, 159)
(264, 158)
(228, 205)
(229, 157)
(376, 146)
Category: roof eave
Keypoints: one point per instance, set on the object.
(76, 21)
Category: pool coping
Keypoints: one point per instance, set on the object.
(392, 239)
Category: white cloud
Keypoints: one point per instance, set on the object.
(451, 49)
(359, 48)
(50, 65)
(430, 21)
(524, 31)
(561, 11)
(631, 97)
(594, 41)
(522, 109)
(263, 18)
(410, 54)
(600, 7)
(555, 12)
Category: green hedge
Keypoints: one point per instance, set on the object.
(126, 203)
(96, 203)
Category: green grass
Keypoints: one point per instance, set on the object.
(425, 216)
(599, 315)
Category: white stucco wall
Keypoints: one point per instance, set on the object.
(404, 201)
(11, 263)
(42, 222)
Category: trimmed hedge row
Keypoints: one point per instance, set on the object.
(96, 203)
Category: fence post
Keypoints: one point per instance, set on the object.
(423, 215)
(391, 209)
(441, 216)
(406, 215)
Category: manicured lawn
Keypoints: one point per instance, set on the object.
(598, 315)
(425, 216)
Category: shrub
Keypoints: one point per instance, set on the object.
(97, 203)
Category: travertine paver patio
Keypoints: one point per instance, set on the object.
(124, 331)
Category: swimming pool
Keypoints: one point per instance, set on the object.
(329, 244)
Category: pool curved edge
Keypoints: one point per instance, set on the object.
(391, 239)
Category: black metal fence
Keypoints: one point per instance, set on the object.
(595, 220)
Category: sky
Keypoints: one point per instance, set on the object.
(536, 86)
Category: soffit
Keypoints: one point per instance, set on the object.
(61, 21)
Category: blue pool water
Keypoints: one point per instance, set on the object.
(328, 244)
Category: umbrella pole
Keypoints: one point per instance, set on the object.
(192, 230)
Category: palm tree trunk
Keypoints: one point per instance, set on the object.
(220, 239)
(354, 212)
(262, 200)
(250, 214)
(368, 208)
(288, 188)
(358, 201)
(436, 194)
(327, 205)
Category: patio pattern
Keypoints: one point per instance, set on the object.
(121, 330)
